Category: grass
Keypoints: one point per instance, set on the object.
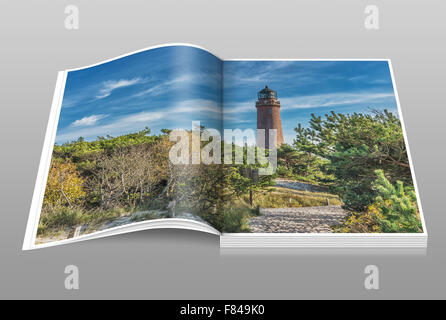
(147, 215)
(276, 197)
(235, 217)
(60, 218)
(53, 222)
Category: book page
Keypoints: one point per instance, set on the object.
(109, 163)
(341, 163)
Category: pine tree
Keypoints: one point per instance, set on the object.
(355, 145)
(397, 204)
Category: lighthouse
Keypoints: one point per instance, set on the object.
(268, 117)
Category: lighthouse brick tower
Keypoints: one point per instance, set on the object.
(268, 117)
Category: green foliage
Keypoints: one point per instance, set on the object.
(118, 175)
(85, 153)
(300, 165)
(92, 182)
(284, 172)
(58, 218)
(235, 218)
(394, 210)
(397, 204)
(286, 198)
(356, 145)
(363, 222)
(81, 147)
(62, 217)
(147, 215)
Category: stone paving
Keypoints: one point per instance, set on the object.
(297, 220)
(300, 186)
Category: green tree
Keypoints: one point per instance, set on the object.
(397, 205)
(300, 165)
(356, 145)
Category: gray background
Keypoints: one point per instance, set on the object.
(181, 264)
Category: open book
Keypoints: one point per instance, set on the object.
(262, 153)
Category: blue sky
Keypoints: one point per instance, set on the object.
(171, 86)
(166, 87)
(305, 87)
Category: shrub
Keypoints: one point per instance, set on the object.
(284, 172)
(235, 219)
(394, 210)
(355, 145)
(398, 206)
(99, 216)
(64, 185)
(62, 217)
(366, 222)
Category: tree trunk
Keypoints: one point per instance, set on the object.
(63, 194)
(141, 192)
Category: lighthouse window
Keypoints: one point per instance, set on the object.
(270, 111)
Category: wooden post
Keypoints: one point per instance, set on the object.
(250, 198)
(252, 174)
(255, 175)
(77, 231)
(171, 209)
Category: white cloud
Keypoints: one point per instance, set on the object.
(109, 86)
(167, 85)
(125, 124)
(196, 106)
(366, 79)
(333, 100)
(241, 107)
(251, 72)
(358, 78)
(182, 80)
(88, 121)
(145, 116)
(137, 121)
(313, 101)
